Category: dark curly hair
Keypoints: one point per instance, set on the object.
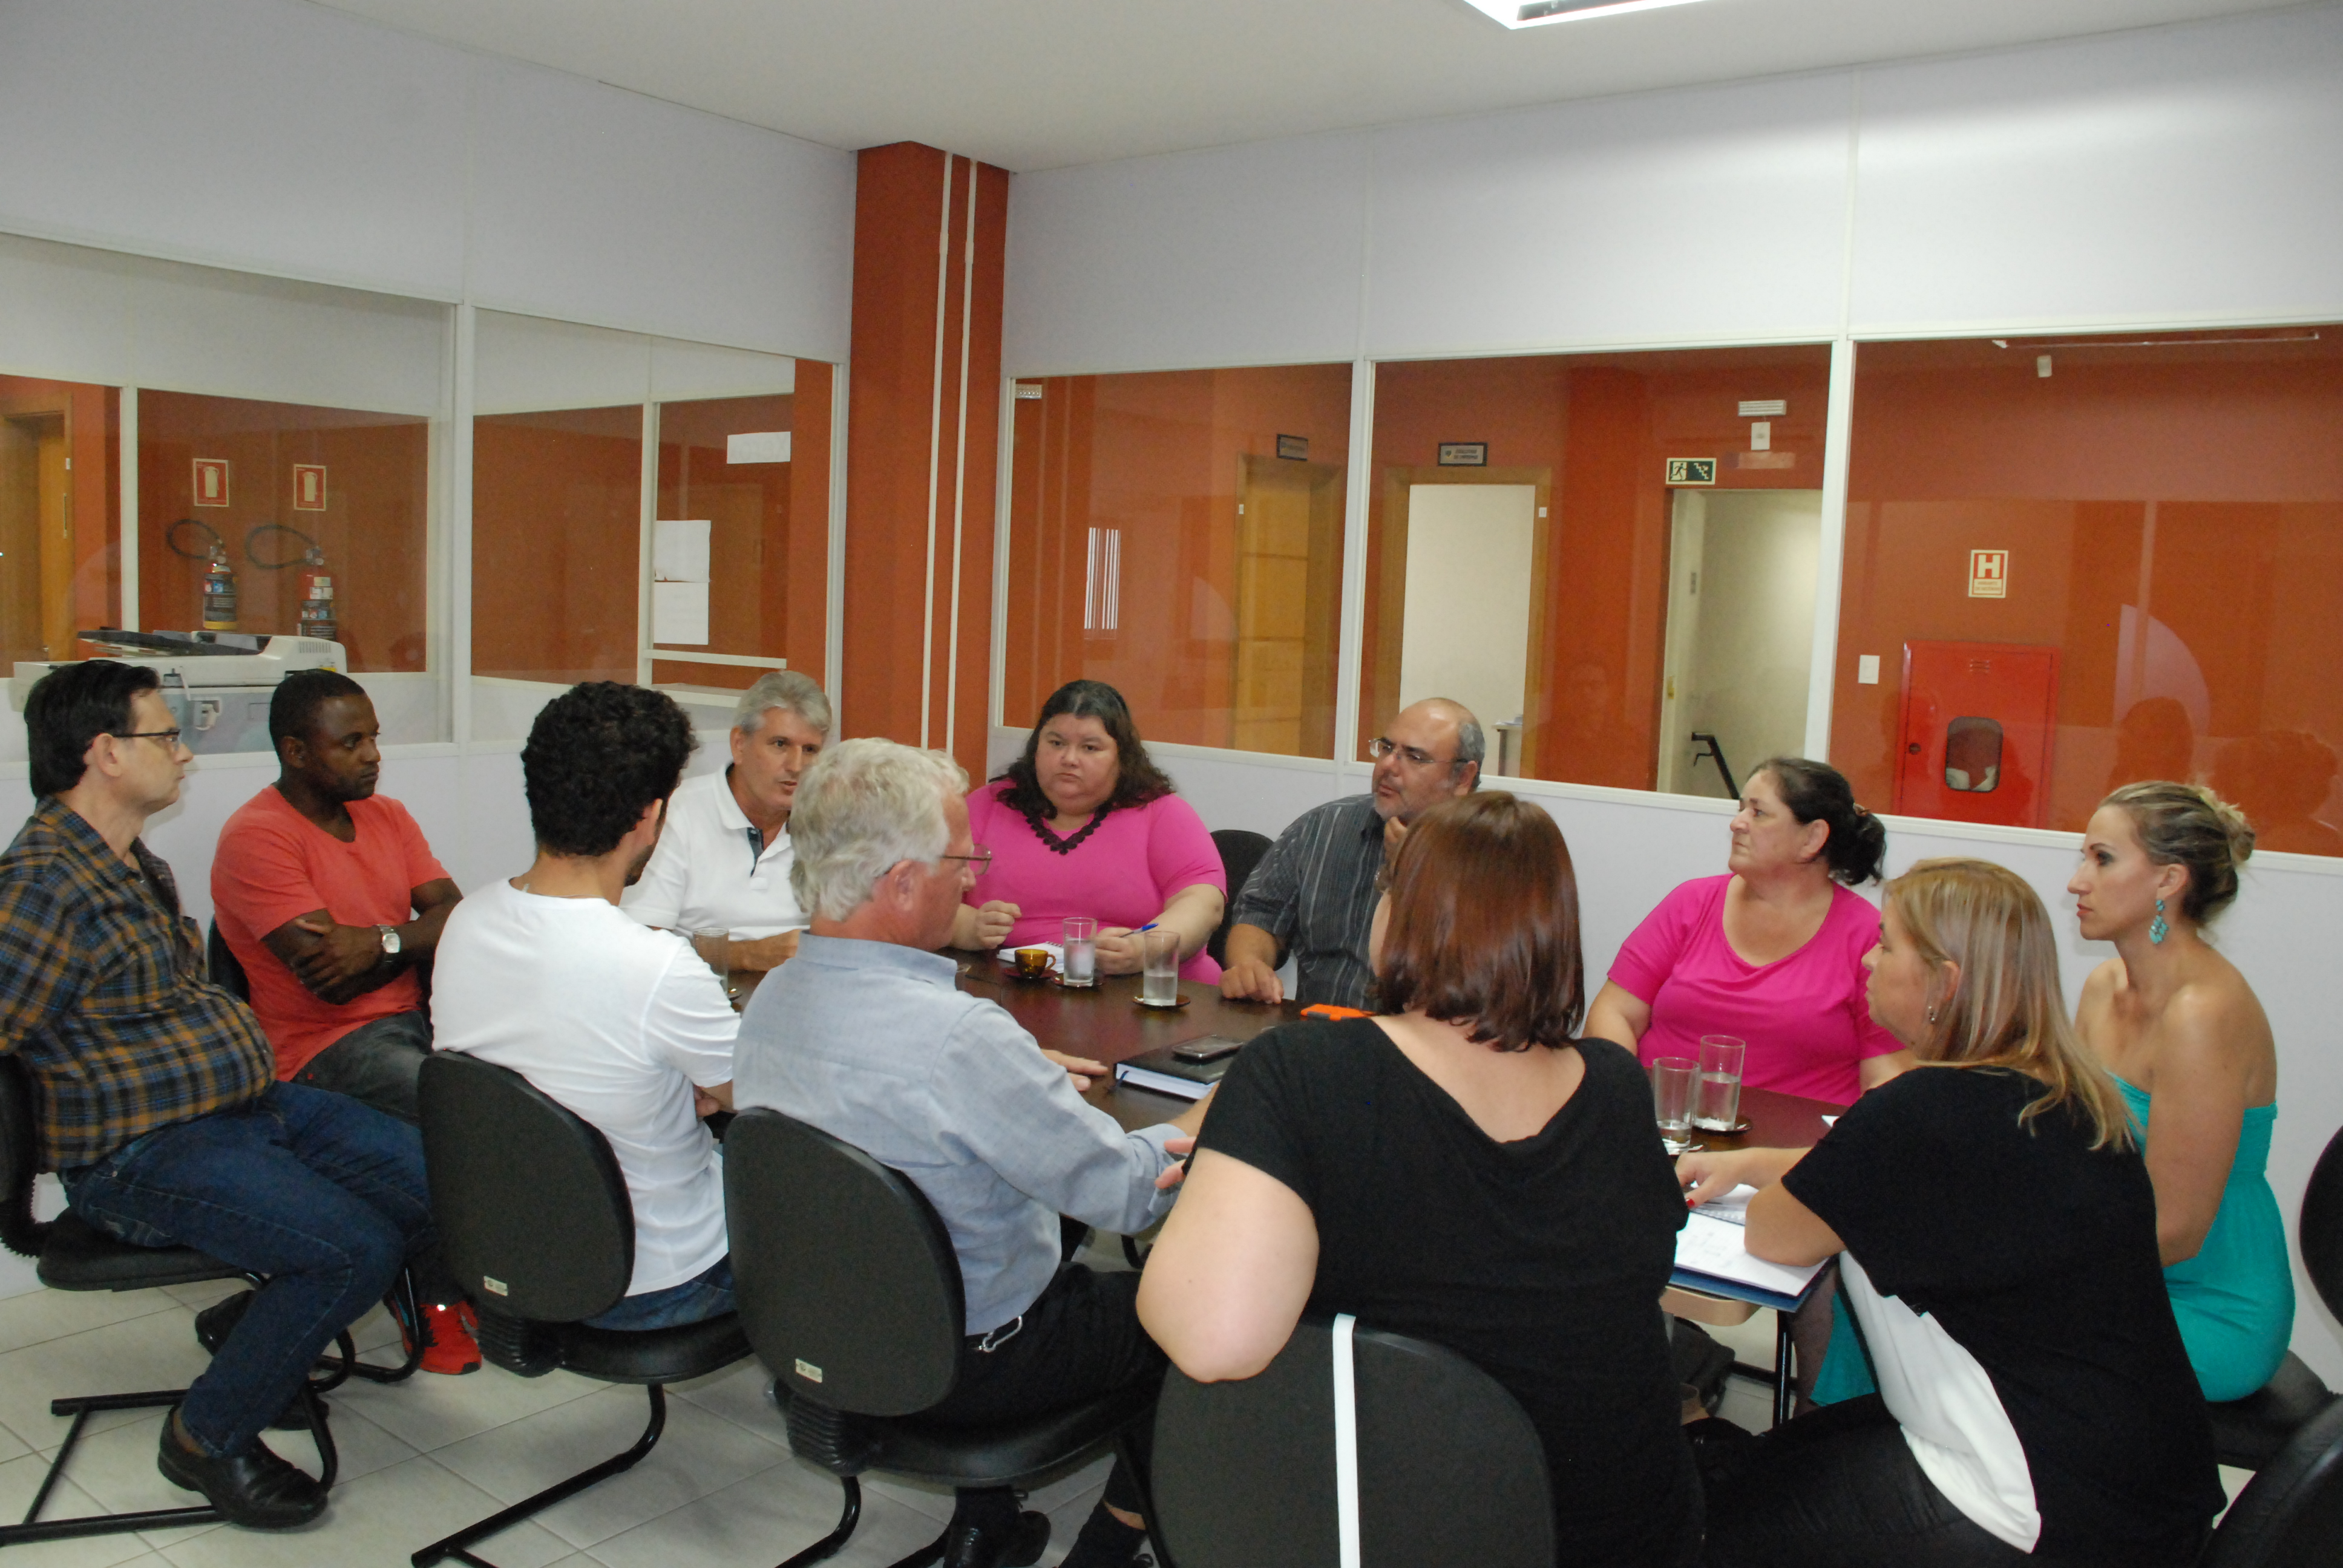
(72, 706)
(293, 706)
(597, 754)
(1138, 780)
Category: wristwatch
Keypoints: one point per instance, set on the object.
(389, 940)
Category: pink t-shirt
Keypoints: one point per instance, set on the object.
(1804, 1017)
(1122, 874)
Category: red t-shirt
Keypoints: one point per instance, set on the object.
(275, 865)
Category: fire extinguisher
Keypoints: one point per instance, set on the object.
(219, 591)
(317, 619)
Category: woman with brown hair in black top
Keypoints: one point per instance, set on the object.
(1462, 1170)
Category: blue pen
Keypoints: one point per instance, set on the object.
(1148, 927)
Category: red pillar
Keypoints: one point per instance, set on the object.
(923, 412)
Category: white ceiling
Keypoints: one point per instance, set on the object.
(1036, 83)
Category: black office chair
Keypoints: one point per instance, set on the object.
(221, 967)
(1240, 850)
(1451, 1472)
(72, 1255)
(541, 1235)
(2290, 1516)
(2248, 1433)
(851, 1294)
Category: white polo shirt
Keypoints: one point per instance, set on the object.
(711, 872)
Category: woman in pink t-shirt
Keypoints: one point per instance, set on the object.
(1085, 823)
(1770, 953)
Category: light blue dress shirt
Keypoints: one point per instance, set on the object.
(874, 1044)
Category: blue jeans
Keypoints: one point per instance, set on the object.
(379, 1062)
(696, 1300)
(321, 1195)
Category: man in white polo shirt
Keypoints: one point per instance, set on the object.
(723, 862)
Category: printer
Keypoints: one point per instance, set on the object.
(217, 684)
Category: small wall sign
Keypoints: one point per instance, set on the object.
(211, 481)
(1463, 454)
(308, 486)
(1988, 574)
(1692, 471)
(1295, 446)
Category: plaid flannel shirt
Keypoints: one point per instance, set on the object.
(102, 994)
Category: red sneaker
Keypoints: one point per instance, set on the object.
(448, 1346)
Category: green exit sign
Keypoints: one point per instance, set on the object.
(1692, 471)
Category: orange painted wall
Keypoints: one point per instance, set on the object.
(92, 428)
(1155, 457)
(374, 530)
(2239, 446)
(1603, 425)
(915, 493)
(557, 531)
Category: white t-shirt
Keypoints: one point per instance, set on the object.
(614, 1021)
(708, 873)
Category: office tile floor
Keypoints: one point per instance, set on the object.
(427, 1457)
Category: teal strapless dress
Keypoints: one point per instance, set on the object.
(2234, 1299)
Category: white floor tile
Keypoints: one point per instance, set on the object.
(42, 1315)
(1747, 1403)
(756, 1522)
(19, 1480)
(204, 1292)
(376, 1520)
(697, 1454)
(737, 1394)
(429, 1412)
(156, 1351)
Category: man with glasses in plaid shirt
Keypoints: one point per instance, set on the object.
(159, 1105)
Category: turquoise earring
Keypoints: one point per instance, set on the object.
(2157, 929)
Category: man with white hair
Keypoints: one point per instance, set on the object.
(723, 863)
(866, 1035)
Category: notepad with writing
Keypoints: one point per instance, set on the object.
(1712, 1250)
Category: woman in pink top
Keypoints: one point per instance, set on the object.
(1084, 824)
(1772, 952)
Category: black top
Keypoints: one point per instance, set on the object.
(1541, 1260)
(2038, 1258)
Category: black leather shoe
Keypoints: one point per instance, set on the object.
(255, 1489)
(213, 1326)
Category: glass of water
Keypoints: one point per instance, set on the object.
(1160, 985)
(1717, 1108)
(1081, 944)
(1673, 1078)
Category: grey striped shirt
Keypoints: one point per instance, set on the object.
(1314, 892)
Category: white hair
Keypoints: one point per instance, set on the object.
(790, 688)
(866, 806)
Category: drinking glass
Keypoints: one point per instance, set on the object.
(1671, 1092)
(1160, 983)
(1079, 940)
(1718, 1108)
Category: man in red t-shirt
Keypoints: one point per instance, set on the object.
(329, 897)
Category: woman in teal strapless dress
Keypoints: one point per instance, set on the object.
(2191, 1049)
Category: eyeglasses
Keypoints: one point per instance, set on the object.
(980, 859)
(1382, 746)
(169, 738)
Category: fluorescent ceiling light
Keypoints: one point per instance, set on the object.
(1538, 13)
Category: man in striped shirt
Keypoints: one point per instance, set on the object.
(159, 1107)
(1313, 895)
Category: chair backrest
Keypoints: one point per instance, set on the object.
(221, 967)
(2290, 1516)
(1451, 1472)
(1240, 850)
(530, 1202)
(19, 1231)
(2321, 1230)
(846, 1280)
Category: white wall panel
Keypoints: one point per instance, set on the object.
(255, 134)
(65, 311)
(597, 205)
(1238, 255)
(521, 364)
(680, 370)
(2183, 172)
(1711, 214)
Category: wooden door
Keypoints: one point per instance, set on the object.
(1289, 561)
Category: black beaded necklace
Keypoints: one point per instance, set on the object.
(1067, 845)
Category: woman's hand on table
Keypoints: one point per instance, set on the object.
(1081, 1068)
(1120, 950)
(985, 925)
(1711, 1173)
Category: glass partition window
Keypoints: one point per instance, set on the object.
(320, 518)
(557, 527)
(1179, 536)
(1609, 559)
(2076, 563)
(60, 516)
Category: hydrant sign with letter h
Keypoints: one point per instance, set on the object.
(1988, 574)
